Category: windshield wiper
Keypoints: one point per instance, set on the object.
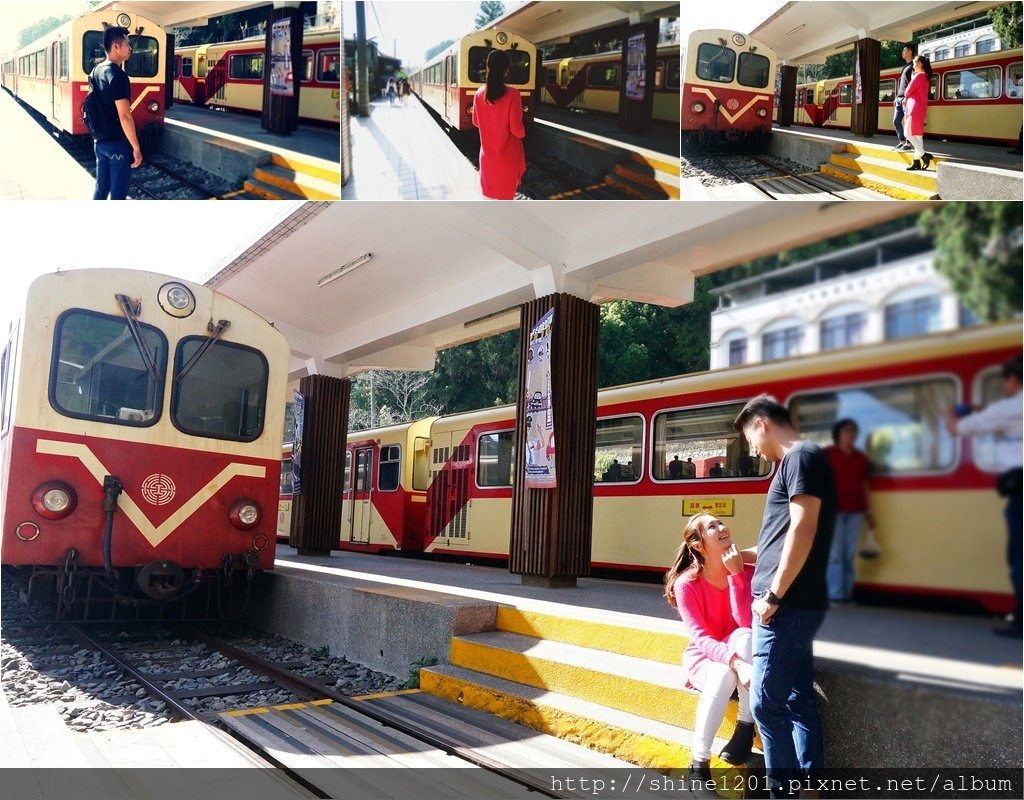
(131, 312)
(215, 334)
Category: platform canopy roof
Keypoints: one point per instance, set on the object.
(808, 31)
(446, 273)
(167, 13)
(547, 22)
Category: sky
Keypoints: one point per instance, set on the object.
(735, 15)
(16, 15)
(183, 239)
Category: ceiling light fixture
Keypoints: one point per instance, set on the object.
(799, 27)
(355, 263)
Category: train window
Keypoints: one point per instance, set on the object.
(224, 393)
(328, 66)
(933, 89)
(495, 460)
(602, 76)
(287, 483)
(307, 66)
(754, 71)
(346, 480)
(478, 64)
(520, 68)
(691, 443)
(988, 388)
(389, 470)
(716, 63)
(246, 67)
(144, 63)
(979, 83)
(901, 425)
(673, 79)
(455, 69)
(551, 76)
(1013, 79)
(99, 373)
(619, 450)
(887, 90)
(846, 93)
(912, 317)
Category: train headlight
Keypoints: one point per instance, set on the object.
(245, 515)
(697, 107)
(176, 299)
(153, 107)
(762, 112)
(54, 500)
(739, 39)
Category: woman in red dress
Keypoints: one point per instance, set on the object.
(915, 104)
(498, 113)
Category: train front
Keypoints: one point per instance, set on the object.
(728, 89)
(472, 68)
(142, 448)
(146, 68)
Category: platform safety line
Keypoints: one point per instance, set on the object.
(380, 695)
(283, 707)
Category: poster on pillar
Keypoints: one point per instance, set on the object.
(540, 425)
(282, 81)
(300, 414)
(636, 65)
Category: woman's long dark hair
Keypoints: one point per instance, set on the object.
(688, 558)
(926, 66)
(498, 63)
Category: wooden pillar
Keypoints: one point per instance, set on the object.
(344, 118)
(552, 527)
(787, 96)
(639, 59)
(282, 71)
(169, 72)
(316, 506)
(867, 56)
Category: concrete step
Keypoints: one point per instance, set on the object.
(300, 184)
(630, 737)
(882, 168)
(884, 153)
(269, 191)
(878, 184)
(309, 165)
(644, 181)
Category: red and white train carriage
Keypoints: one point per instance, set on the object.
(728, 88)
(457, 471)
(141, 440)
(51, 75)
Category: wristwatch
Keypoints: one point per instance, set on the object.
(771, 598)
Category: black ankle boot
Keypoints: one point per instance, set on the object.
(915, 165)
(737, 751)
(700, 781)
(927, 160)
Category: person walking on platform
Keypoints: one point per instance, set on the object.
(498, 113)
(790, 593)
(915, 106)
(901, 92)
(391, 91)
(851, 468)
(1003, 419)
(117, 149)
(709, 585)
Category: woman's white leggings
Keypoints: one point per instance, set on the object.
(918, 143)
(717, 683)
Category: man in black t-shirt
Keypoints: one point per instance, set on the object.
(790, 593)
(902, 82)
(117, 153)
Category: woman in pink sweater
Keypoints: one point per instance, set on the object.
(709, 585)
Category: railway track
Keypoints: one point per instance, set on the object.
(772, 179)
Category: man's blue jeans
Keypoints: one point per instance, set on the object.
(782, 697)
(113, 170)
(897, 121)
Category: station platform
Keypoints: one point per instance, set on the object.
(600, 662)
(33, 166)
(659, 138)
(960, 171)
(400, 153)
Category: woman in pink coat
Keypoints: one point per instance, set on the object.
(915, 105)
(709, 585)
(498, 113)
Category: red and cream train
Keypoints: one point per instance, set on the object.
(140, 439)
(443, 485)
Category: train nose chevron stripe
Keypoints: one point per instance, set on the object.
(154, 534)
(730, 117)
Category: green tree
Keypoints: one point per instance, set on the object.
(1007, 21)
(40, 28)
(490, 10)
(978, 249)
(437, 48)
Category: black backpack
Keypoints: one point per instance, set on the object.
(96, 118)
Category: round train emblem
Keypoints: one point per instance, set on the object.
(158, 489)
(732, 103)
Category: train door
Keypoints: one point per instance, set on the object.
(55, 96)
(362, 496)
(450, 80)
(448, 496)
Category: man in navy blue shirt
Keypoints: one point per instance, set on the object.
(790, 593)
(118, 151)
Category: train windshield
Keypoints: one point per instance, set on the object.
(716, 63)
(754, 71)
(144, 63)
(98, 373)
(519, 68)
(224, 394)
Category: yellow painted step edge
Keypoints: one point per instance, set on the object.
(657, 646)
(291, 186)
(922, 179)
(875, 186)
(261, 191)
(883, 152)
(313, 170)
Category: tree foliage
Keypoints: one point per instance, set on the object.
(437, 48)
(978, 249)
(490, 10)
(40, 28)
(1007, 21)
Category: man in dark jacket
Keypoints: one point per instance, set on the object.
(901, 89)
(118, 151)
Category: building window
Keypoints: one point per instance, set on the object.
(843, 331)
(912, 317)
(737, 352)
(941, 55)
(985, 46)
(781, 344)
(961, 50)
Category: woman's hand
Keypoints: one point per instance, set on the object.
(743, 671)
(733, 560)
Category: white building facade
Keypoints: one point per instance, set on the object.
(879, 290)
(967, 39)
